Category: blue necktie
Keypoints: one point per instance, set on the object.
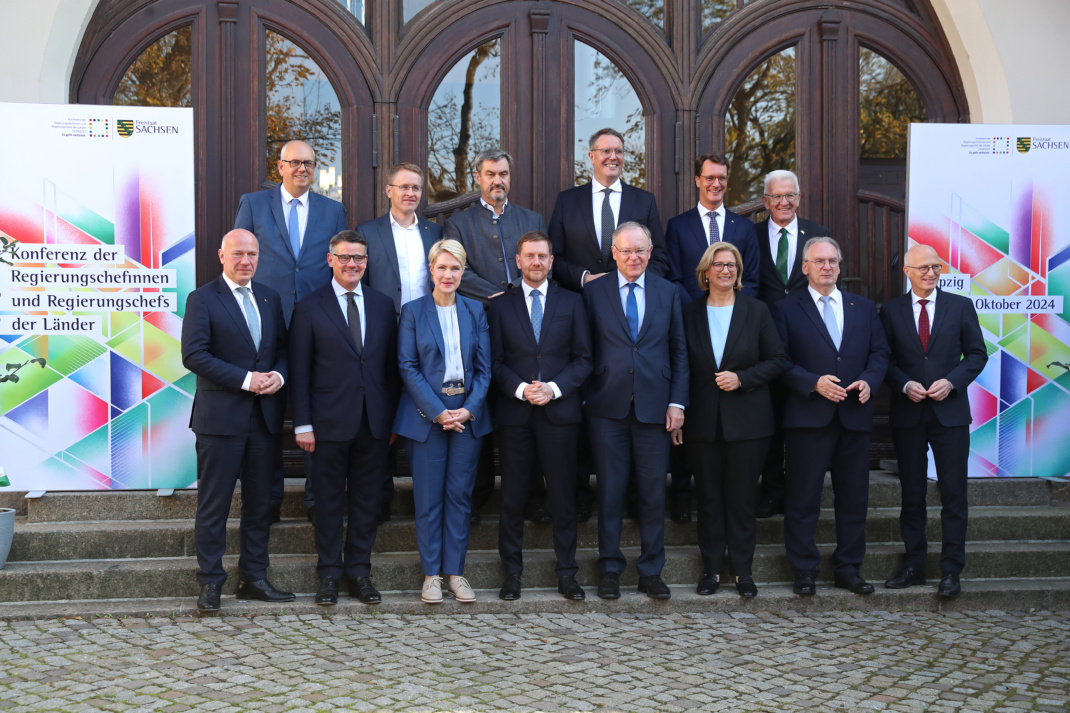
(251, 317)
(715, 234)
(830, 320)
(295, 229)
(632, 312)
(536, 314)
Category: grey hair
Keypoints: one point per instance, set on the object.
(492, 155)
(778, 175)
(630, 225)
(822, 239)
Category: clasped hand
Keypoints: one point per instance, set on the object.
(939, 390)
(829, 387)
(453, 419)
(538, 393)
(265, 384)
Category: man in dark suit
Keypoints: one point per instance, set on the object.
(937, 351)
(540, 345)
(690, 233)
(234, 340)
(635, 398)
(780, 239)
(585, 217)
(686, 239)
(293, 225)
(837, 358)
(489, 230)
(398, 243)
(344, 379)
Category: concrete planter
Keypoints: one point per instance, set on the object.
(7, 531)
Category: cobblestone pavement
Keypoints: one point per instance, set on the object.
(974, 661)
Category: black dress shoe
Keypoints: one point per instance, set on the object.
(537, 513)
(768, 507)
(654, 588)
(510, 591)
(583, 512)
(746, 588)
(570, 588)
(362, 588)
(310, 513)
(905, 577)
(276, 514)
(707, 585)
(609, 587)
(263, 591)
(328, 593)
(209, 599)
(949, 585)
(854, 583)
(681, 511)
(804, 585)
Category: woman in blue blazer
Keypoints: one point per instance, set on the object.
(444, 360)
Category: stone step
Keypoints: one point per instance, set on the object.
(978, 595)
(171, 577)
(111, 539)
(147, 505)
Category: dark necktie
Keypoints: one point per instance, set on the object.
(782, 255)
(607, 229)
(715, 234)
(353, 315)
(923, 325)
(632, 313)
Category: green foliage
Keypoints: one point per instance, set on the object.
(161, 75)
(888, 104)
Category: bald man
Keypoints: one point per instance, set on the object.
(936, 352)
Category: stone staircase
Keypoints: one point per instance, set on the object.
(133, 552)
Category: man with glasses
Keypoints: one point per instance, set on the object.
(294, 226)
(345, 385)
(937, 352)
(399, 243)
(780, 274)
(837, 357)
(635, 399)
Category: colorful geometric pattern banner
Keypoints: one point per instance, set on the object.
(96, 226)
(989, 199)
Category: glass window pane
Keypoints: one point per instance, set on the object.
(411, 7)
(760, 127)
(888, 104)
(653, 10)
(714, 11)
(605, 98)
(161, 75)
(302, 104)
(464, 118)
(354, 6)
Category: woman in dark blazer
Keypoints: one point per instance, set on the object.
(734, 352)
(444, 361)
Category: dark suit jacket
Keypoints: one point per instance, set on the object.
(653, 369)
(576, 246)
(217, 347)
(295, 277)
(478, 231)
(562, 354)
(686, 241)
(956, 353)
(753, 351)
(422, 364)
(863, 354)
(771, 288)
(382, 273)
(328, 379)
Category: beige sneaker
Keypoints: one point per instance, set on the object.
(432, 591)
(461, 589)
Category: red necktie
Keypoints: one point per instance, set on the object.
(923, 325)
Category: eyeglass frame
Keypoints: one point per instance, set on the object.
(345, 259)
(296, 163)
(925, 269)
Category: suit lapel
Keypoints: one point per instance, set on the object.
(314, 217)
(850, 318)
(465, 324)
(280, 220)
(740, 314)
(904, 312)
(331, 307)
(615, 303)
(586, 198)
(814, 314)
(701, 325)
(431, 313)
(653, 307)
(386, 237)
(549, 307)
(230, 306)
(800, 239)
(694, 223)
(939, 312)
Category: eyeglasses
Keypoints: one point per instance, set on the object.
(296, 164)
(344, 259)
(789, 197)
(606, 153)
(722, 266)
(628, 252)
(714, 179)
(406, 189)
(831, 262)
(926, 269)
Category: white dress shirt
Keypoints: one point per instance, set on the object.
(241, 306)
(836, 303)
(704, 215)
(930, 308)
(528, 289)
(793, 241)
(597, 196)
(412, 260)
(302, 212)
